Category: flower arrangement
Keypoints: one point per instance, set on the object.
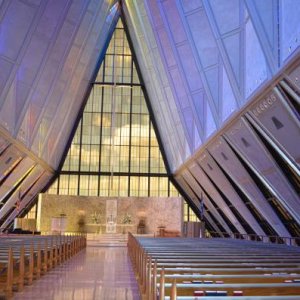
(127, 219)
(96, 218)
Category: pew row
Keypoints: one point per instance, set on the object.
(25, 258)
(179, 267)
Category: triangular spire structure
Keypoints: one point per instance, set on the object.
(115, 151)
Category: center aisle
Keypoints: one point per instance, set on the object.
(99, 272)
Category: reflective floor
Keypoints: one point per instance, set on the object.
(95, 273)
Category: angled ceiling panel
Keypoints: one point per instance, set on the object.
(279, 121)
(293, 77)
(12, 181)
(6, 67)
(3, 144)
(193, 197)
(22, 16)
(211, 168)
(233, 50)
(206, 54)
(226, 158)
(226, 17)
(264, 15)
(200, 176)
(227, 14)
(203, 38)
(8, 160)
(7, 112)
(40, 45)
(26, 200)
(253, 151)
(289, 28)
(48, 53)
(229, 103)
(194, 186)
(71, 80)
(20, 192)
(180, 84)
(256, 70)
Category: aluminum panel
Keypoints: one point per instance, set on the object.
(198, 173)
(8, 160)
(216, 175)
(12, 37)
(42, 181)
(20, 170)
(192, 196)
(233, 167)
(294, 77)
(3, 144)
(198, 190)
(23, 189)
(253, 151)
(289, 28)
(274, 117)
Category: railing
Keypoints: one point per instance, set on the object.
(291, 241)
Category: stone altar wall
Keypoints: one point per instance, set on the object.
(79, 212)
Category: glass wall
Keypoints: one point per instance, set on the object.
(188, 214)
(115, 151)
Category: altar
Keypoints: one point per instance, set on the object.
(102, 215)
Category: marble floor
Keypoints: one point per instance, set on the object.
(95, 273)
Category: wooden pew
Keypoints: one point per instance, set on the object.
(221, 266)
(25, 258)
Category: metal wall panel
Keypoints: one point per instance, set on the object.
(212, 169)
(198, 190)
(279, 121)
(10, 182)
(22, 189)
(181, 181)
(253, 151)
(293, 77)
(233, 167)
(198, 173)
(34, 190)
(8, 160)
(3, 144)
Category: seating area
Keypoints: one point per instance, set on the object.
(25, 258)
(192, 268)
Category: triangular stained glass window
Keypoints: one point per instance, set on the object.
(115, 151)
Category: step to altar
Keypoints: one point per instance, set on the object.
(107, 240)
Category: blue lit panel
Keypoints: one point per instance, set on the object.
(290, 27)
(256, 68)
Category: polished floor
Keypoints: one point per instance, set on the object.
(99, 272)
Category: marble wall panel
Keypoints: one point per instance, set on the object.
(79, 210)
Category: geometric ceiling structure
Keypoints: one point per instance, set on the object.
(230, 68)
(223, 82)
(49, 51)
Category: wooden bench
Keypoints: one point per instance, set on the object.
(183, 267)
(25, 258)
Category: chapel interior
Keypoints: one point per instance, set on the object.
(150, 149)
